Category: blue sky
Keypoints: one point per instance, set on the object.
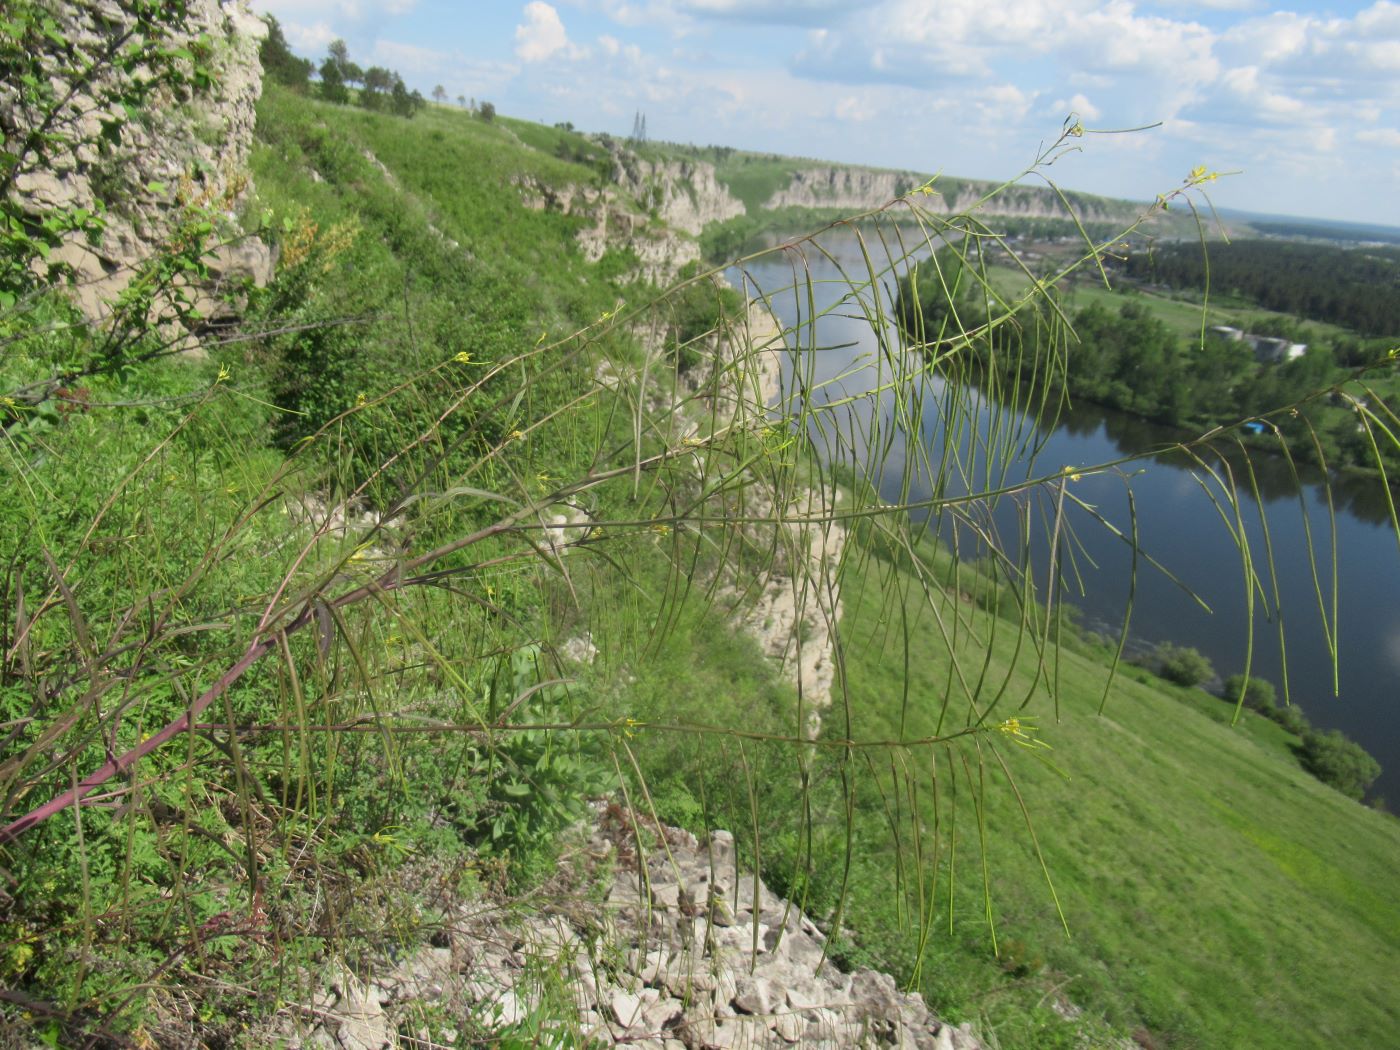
(1303, 101)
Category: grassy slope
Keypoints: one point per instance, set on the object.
(1245, 882)
(1215, 892)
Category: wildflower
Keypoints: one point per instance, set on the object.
(223, 375)
(517, 435)
(629, 726)
(660, 528)
(361, 400)
(1076, 130)
(463, 358)
(1072, 474)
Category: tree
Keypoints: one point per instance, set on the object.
(378, 83)
(340, 54)
(279, 63)
(486, 111)
(439, 94)
(462, 101)
(333, 83)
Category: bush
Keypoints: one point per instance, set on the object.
(1259, 693)
(1340, 763)
(1291, 718)
(1183, 665)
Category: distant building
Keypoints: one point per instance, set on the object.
(1268, 349)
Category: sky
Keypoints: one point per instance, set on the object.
(1302, 102)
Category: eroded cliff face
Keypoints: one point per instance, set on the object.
(615, 221)
(187, 145)
(863, 189)
(685, 194)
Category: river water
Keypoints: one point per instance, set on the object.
(1178, 522)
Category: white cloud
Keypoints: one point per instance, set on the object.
(410, 58)
(1078, 104)
(542, 34)
(333, 10)
(312, 38)
(1379, 137)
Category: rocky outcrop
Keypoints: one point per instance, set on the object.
(652, 209)
(685, 194)
(863, 189)
(188, 145)
(654, 941)
(614, 223)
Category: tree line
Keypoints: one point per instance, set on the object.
(1358, 288)
(375, 88)
(1131, 360)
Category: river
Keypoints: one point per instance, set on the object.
(1178, 522)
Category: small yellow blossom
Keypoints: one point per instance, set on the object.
(660, 529)
(223, 375)
(361, 400)
(517, 435)
(1072, 474)
(463, 358)
(1076, 130)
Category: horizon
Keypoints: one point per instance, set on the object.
(1275, 98)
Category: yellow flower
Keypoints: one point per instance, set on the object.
(660, 529)
(1073, 474)
(223, 375)
(463, 358)
(1011, 727)
(517, 435)
(361, 400)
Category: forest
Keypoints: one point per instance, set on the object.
(1358, 288)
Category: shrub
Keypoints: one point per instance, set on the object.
(1183, 665)
(1291, 718)
(1340, 763)
(1259, 693)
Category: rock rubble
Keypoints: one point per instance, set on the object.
(682, 950)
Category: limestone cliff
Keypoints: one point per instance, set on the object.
(685, 194)
(861, 189)
(187, 144)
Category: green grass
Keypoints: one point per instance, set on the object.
(1215, 893)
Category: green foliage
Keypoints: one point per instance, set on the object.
(278, 61)
(1350, 286)
(332, 83)
(700, 311)
(1259, 693)
(539, 779)
(1182, 664)
(1339, 762)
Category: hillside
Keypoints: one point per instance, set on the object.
(345, 608)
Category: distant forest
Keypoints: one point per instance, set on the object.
(1357, 288)
(1349, 232)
